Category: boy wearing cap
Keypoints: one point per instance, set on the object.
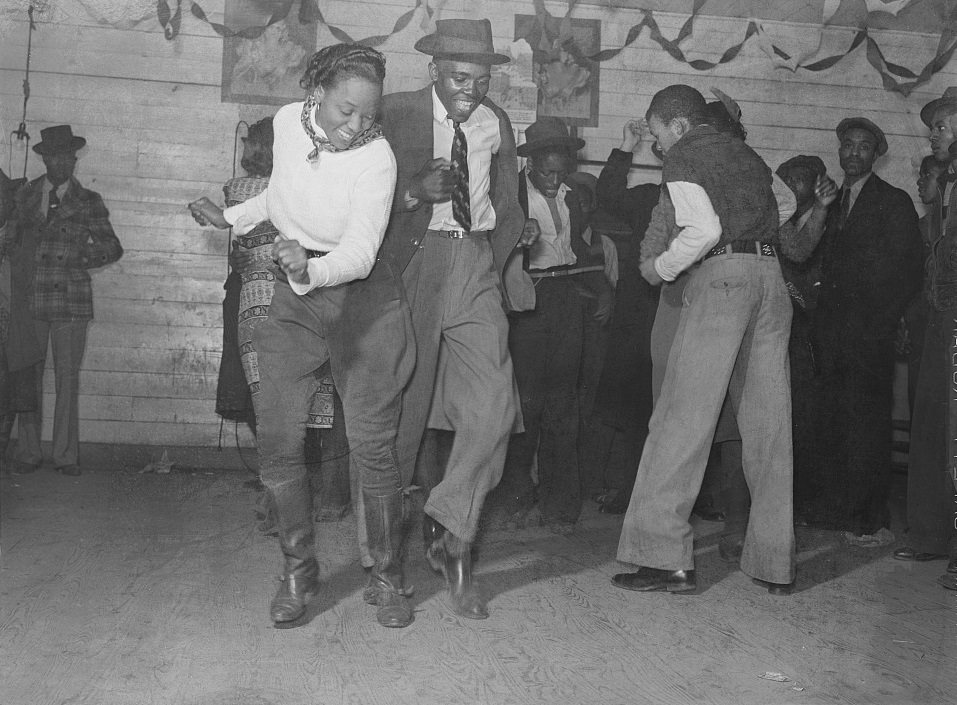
(870, 270)
(455, 224)
(60, 230)
(548, 343)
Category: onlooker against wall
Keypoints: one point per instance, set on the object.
(548, 343)
(20, 354)
(624, 399)
(870, 270)
(334, 300)
(60, 230)
(731, 337)
(800, 236)
(930, 476)
(931, 182)
(455, 226)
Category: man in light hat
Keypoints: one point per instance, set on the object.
(455, 225)
(60, 231)
(870, 270)
(930, 478)
(548, 343)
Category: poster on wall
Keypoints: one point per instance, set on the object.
(266, 69)
(513, 86)
(567, 81)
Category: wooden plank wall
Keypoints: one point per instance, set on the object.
(158, 136)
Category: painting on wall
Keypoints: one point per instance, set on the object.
(265, 69)
(568, 82)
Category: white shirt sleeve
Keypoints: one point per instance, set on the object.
(247, 215)
(700, 229)
(355, 255)
(787, 201)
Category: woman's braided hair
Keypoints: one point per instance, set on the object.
(340, 62)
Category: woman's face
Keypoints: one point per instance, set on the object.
(928, 187)
(347, 109)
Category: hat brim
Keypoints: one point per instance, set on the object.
(428, 45)
(76, 144)
(928, 111)
(864, 124)
(570, 143)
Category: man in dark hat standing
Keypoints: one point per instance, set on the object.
(59, 231)
(870, 270)
(455, 224)
(931, 475)
(548, 343)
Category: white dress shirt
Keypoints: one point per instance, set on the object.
(483, 139)
(553, 248)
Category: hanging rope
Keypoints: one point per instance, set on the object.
(21, 132)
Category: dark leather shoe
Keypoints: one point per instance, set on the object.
(651, 579)
(778, 589)
(18, 467)
(295, 592)
(908, 553)
(456, 566)
(69, 470)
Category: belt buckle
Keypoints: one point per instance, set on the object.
(456, 234)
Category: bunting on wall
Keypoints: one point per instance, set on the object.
(309, 12)
(894, 76)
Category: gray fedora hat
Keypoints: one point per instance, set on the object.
(948, 100)
(462, 40)
(865, 124)
(59, 138)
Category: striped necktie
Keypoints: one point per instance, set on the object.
(461, 208)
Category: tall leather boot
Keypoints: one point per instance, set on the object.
(300, 579)
(452, 557)
(386, 526)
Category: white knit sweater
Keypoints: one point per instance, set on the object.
(339, 204)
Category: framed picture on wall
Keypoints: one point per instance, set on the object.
(568, 82)
(265, 69)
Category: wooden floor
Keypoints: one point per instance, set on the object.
(128, 589)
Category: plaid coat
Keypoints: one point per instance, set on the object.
(51, 257)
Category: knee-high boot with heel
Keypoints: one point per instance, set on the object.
(386, 524)
(300, 579)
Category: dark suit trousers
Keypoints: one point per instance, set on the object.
(856, 430)
(547, 346)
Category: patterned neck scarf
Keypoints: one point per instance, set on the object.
(324, 144)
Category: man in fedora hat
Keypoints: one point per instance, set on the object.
(930, 487)
(60, 230)
(455, 224)
(870, 270)
(548, 343)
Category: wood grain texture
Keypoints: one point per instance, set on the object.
(124, 588)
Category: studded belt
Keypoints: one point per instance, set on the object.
(737, 247)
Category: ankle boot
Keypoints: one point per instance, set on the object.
(299, 583)
(453, 558)
(386, 524)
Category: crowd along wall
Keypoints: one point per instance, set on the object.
(159, 136)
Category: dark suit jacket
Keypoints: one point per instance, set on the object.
(870, 270)
(407, 124)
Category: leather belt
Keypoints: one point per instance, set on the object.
(459, 234)
(563, 271)
(738, 247)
